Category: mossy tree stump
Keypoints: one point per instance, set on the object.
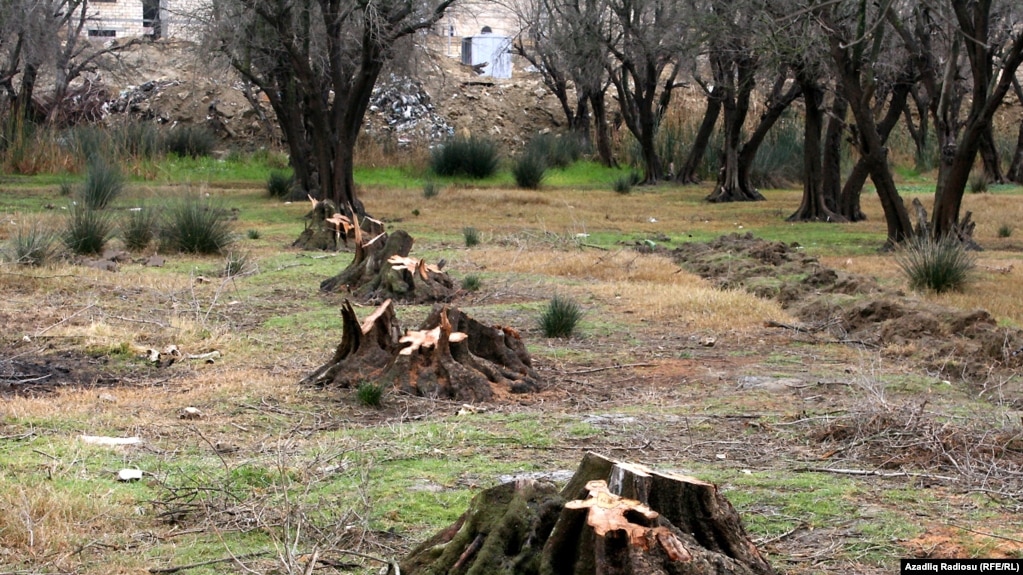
(457, 358)
(381, 269)
(328, 227)
(612, 518)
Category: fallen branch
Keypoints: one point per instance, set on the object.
(873, 472)
(210, 562)
(996, 536)
(616, 366)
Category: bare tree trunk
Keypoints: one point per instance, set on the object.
(602, 131)
(813, 208)
(989, 155)
(831, 169)
(688, 174)
(1015, 173)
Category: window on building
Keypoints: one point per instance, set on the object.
(102, 33)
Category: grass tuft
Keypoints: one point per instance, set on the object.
(623, 184)
(471, 282)
(370, 394)
(280, 185)
(31, 245)
(87, 230)
(556, 151)
(529, 170)
(979, 183)
(940, 265)
(195, 225)
(189, 141)
(138, 228)
(1005, 231)
(561, 317)
(471, 235)
(431, 189)
(252, 234)
(474, 157)
(103, 184)
(236, 264)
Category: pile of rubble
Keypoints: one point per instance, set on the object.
(401, 108)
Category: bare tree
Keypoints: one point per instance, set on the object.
(645, 41)
(317, 62)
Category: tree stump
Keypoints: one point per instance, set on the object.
(327, 228)
(612, 518)
(381, 270)
(437, 360)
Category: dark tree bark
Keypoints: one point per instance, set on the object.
(1015, 173)
(688, 174)
(974, 19)
(457, 358)
(989, 156)
(612, 518)
(813, 207)
(919, 128)
(831, 168)
(734, 72)
(872, 150)
(849, 197)
(602, 131)
(381, 270)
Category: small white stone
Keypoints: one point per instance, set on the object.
(129, 475)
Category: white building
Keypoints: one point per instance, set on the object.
(134, 18)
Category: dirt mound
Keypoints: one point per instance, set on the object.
(961, 345)
(32, 374)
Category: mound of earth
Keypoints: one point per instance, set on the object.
(956, 344)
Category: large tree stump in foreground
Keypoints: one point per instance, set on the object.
(382, 270)
(612, 518)
(451, 356)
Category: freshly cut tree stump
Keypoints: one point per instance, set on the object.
(328, 228)
(612, 518)
(437, 360)
(382, 270)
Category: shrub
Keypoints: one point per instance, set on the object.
(471, 282)
(135, 140)
(252, 234)
(939, 265)
(1004, 231)
(623, 184)
(280, 184)
(236, 264)
(189, 141)
(430, 189)
(474, 157)
(87, 230)
(32, 245)
(557, 151)
(561, 317)
(139, 227)
(472, 236)
(979, 183)
(529, 170)
(195, 225)
(370, 394)
(103, 183)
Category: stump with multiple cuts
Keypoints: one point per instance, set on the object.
(612, 518)
(451, 356)
(328, 227)
(382, 269)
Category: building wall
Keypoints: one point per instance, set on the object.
(124, 18)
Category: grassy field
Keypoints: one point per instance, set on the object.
(271, 472)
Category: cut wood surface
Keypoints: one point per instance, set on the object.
(612, 518)
(451, 355)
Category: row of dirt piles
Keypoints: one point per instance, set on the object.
(841, 307)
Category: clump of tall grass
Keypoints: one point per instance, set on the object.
(938, 265)
(189, 141)
(236, 264)
(529, 170)
(87, 230)
(560, 318)
(280, 184)
(195, 225)
(1005, 230)
(31, 245)
(103, 184)
(139, 227)
(431, 189)
(779, 160)
(471, 282)
(474, 157)
(557, 151)
(471, 236)
(979, 183)
(134, 141)
(623, 184)
(370, 394)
